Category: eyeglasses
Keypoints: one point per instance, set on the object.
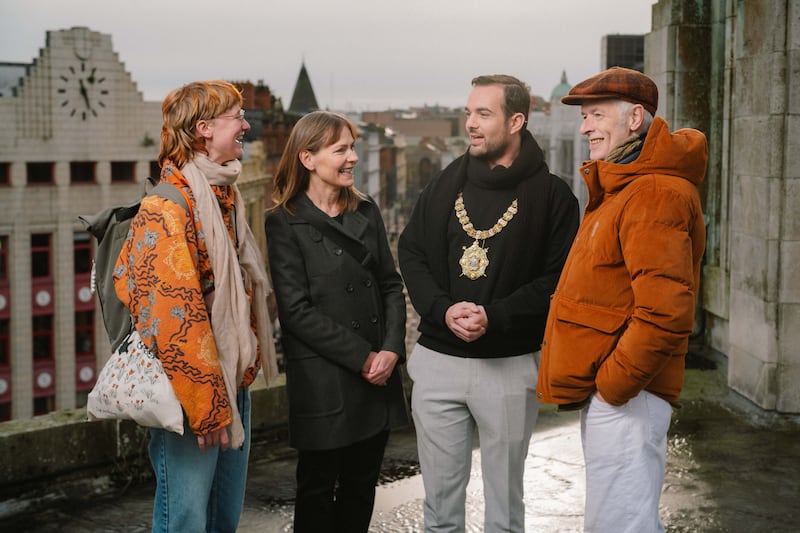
(239, 116)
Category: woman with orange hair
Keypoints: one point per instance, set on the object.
(195, 285)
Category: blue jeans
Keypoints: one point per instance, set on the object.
(198, 491)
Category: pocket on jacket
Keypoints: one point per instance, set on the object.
(583, 335)
(313, 387)
(595, 317)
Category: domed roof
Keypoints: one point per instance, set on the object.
(561, 89)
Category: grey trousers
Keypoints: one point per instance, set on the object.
(452, 396)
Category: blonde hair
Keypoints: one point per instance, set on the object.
(313, 132)
(183, 108)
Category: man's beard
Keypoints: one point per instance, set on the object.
(491, 151)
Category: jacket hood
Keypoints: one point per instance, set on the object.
(682, 153)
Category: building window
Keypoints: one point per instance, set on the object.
(81, 172)
(5, 339)
(5, 344)
(82, 252)
(5, 174)
(122, 171)
(39, 173)
(3, 258)
(43, 337)
(44, 405)
(155, 170)
(84, 333)
(40, 255)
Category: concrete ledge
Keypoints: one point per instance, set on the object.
(63, 457)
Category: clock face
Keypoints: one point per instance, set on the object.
(82, 91)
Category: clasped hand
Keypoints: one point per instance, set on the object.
(466, 320)
(379, 367)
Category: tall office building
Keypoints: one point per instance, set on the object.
(622, 51)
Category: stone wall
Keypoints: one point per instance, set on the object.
(730, 68)
(63, 458)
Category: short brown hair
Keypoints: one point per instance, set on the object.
(517, 93)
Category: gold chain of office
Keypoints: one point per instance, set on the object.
(475, 258)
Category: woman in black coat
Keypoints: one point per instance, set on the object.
(342, 312)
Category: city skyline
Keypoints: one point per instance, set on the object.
(360, 55)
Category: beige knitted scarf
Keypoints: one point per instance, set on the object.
(624, 149)
(230, 310)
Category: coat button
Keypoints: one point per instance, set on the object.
(373, 319)
(354, 324)
(337, 251)
(539, 395)
(367, 282)
(349, 287)
(586, 171)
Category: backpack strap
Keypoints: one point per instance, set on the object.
(167, 190)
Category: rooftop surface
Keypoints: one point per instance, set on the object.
(731, 467)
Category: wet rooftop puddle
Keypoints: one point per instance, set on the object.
(729, 472)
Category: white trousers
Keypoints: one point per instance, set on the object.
(452, 396)
(625, 450)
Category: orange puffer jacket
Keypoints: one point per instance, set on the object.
(623, 310)
(163, 276)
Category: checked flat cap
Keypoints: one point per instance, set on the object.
(616, 83)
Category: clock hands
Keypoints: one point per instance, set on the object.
(85, 95)
(89, 84)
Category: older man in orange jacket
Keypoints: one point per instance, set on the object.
(623, 310)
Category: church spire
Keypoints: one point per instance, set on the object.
(303, 99)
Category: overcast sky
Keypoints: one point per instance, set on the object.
(360, 54)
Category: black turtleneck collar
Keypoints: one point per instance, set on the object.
(527, 162)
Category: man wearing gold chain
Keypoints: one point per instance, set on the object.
(480, 256)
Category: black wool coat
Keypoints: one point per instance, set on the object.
(333, 312)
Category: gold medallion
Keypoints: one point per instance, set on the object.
(474, 261)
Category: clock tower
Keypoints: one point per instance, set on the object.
(77, 135)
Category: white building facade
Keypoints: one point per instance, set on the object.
(77, 137)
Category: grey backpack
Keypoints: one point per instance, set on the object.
(110, 227)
